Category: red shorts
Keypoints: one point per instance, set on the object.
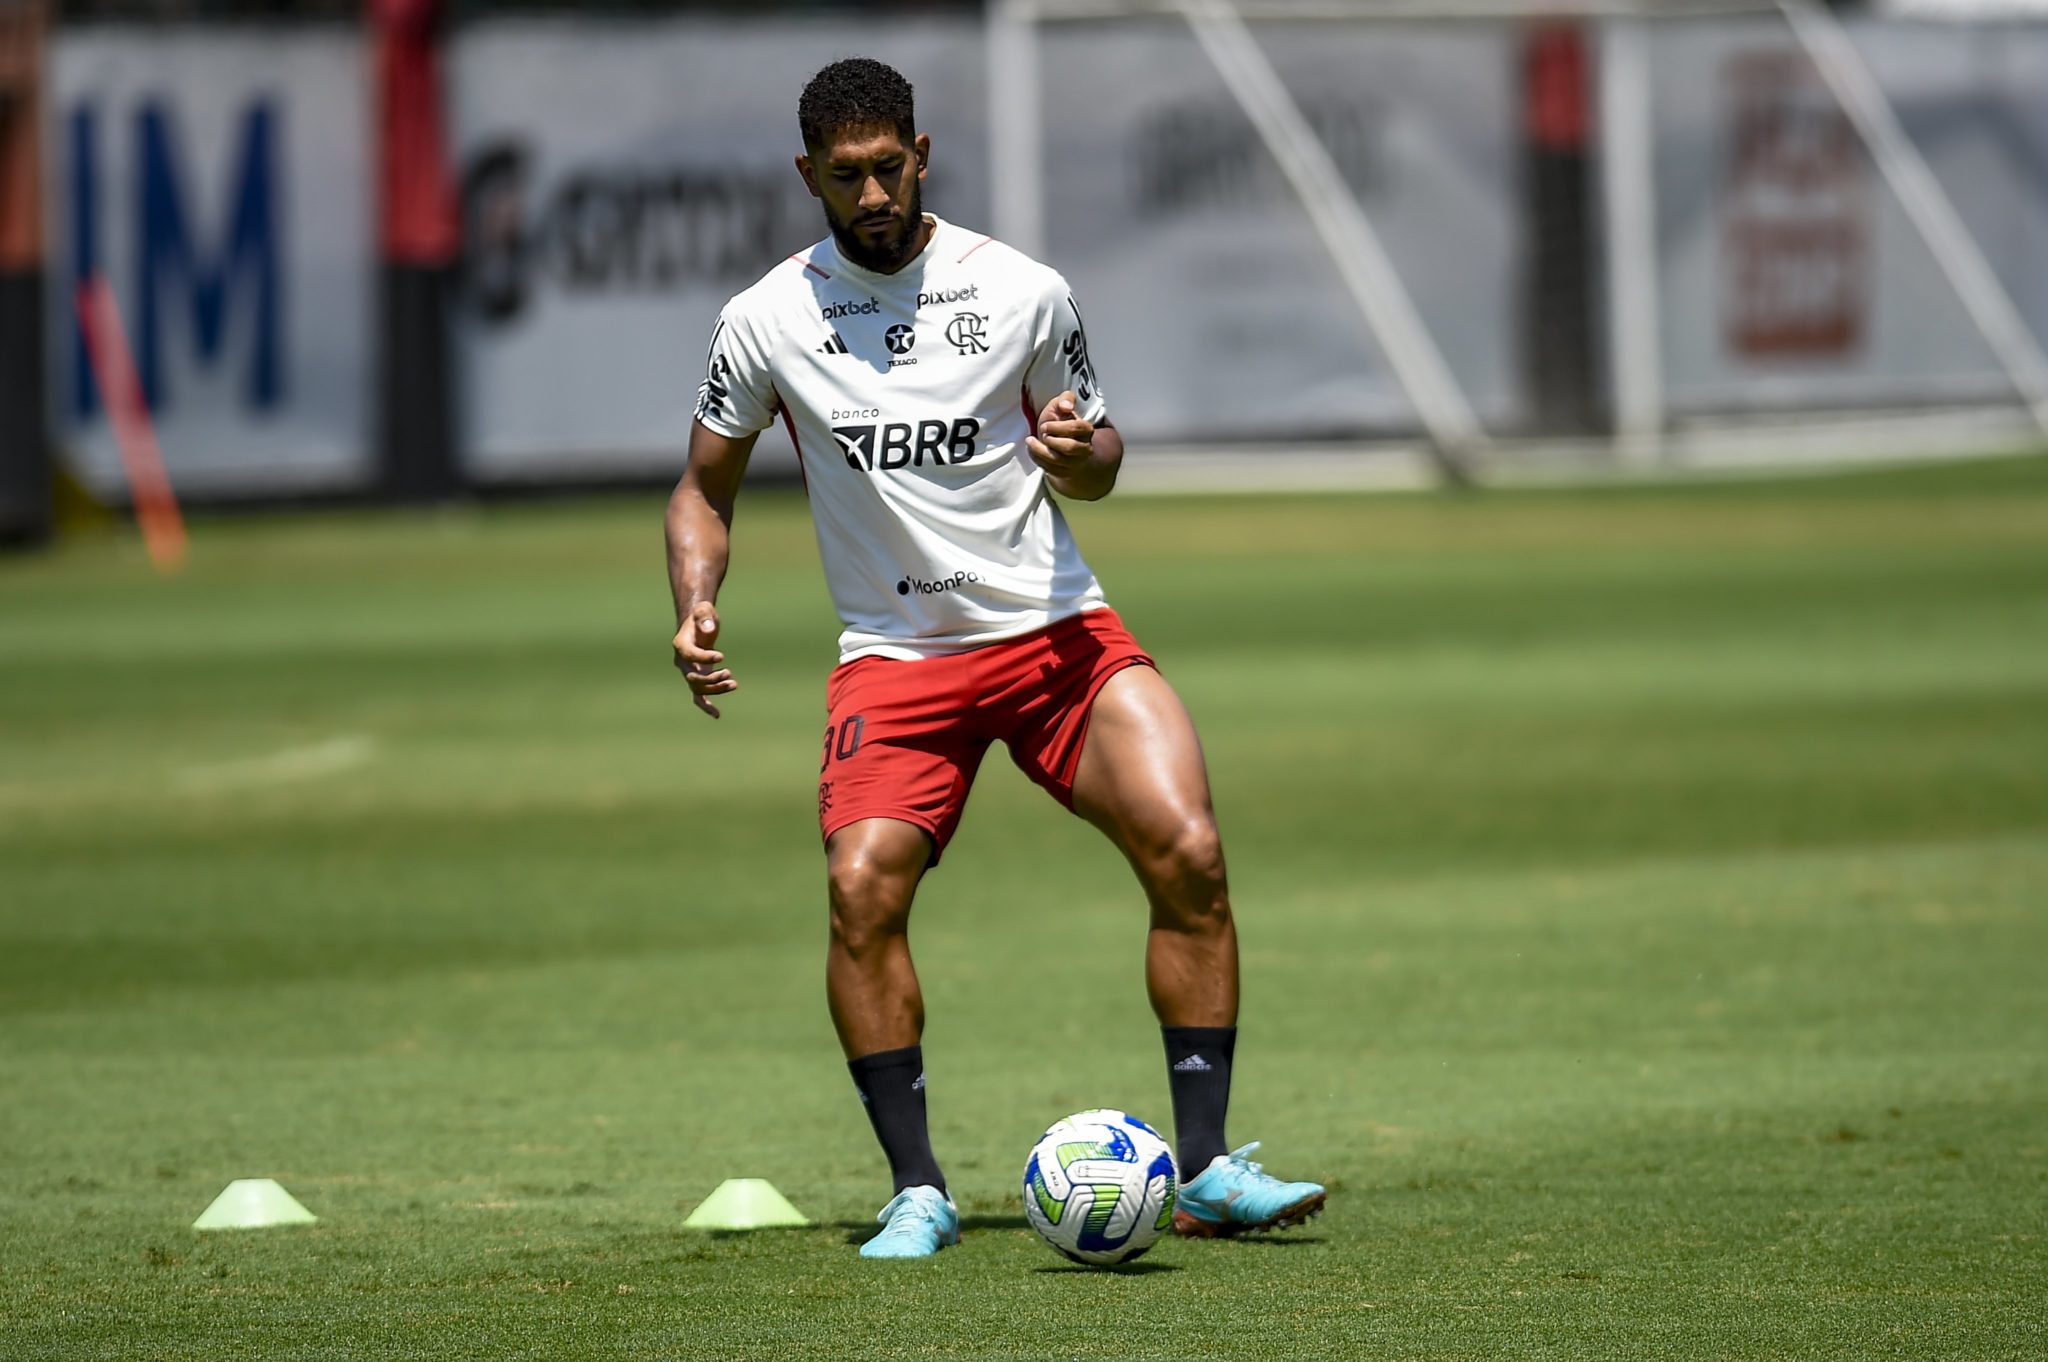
(903, 738)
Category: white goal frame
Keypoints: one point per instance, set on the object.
(1642, 434)
(1456, 438)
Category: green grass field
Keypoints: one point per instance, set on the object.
(1644, 896)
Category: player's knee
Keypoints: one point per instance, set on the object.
(870, 900)
(1188, 875)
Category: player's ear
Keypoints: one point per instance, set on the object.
(804, 168)
(922, 145)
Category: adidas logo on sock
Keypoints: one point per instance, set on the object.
(918, 1086)
(1193, 1064)
(835, 346)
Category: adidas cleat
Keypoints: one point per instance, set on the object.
(1233, 1195)
(917, 1222)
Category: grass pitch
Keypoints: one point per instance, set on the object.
(1642, 896)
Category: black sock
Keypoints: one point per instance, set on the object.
(1198, 1071)
(891, 1085)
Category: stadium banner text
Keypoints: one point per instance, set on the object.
(218, 178)
(620, 181)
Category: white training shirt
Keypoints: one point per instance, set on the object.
(909, 396)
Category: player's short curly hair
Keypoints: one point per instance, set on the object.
(858, 92)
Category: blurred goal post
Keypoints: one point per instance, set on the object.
(1632, 378)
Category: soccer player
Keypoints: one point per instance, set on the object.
(938, 388)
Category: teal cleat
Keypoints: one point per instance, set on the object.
(917, 1222)
(1233, 1195)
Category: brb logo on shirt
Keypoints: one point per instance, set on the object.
(889, 445)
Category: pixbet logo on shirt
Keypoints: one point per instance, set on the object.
(902, 444)
(832, 312)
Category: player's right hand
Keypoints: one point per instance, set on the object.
(700, 662)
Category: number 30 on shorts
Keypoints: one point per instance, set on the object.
(842, 740)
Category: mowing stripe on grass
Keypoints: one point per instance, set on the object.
(280, 768)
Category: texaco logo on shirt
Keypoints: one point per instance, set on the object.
(900, 337)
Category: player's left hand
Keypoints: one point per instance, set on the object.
(1061, 446)
(698, 658)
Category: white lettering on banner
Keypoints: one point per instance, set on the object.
(1795, 214)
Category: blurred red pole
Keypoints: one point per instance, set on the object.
(418, 237)
(416, 198)
(27, 509)
(21, 55)
(1555, 88)
(1559, 370)
(156, 508)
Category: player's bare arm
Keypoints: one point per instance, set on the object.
(699, 528)
(1080, 458)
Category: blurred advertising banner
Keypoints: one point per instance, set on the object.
(619, 181)
(1791, 276)
(1214, 310)
(216, 176)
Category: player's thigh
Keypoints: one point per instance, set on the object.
(893, 751)
(1141, 777)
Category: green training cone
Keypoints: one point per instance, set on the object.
(744, 1204)
(253, 1204)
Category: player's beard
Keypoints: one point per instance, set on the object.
(888, 256)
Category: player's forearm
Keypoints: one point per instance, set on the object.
(1095, 479)
(699, 546)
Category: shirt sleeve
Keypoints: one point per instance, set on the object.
(1060, 359)
(737, 397)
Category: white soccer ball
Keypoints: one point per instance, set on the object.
(1099, 1186)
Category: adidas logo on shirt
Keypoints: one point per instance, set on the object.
(834, 346)
(1193, 1064)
